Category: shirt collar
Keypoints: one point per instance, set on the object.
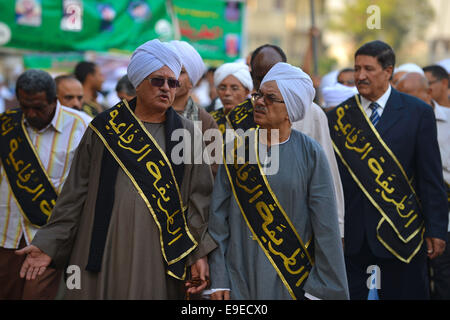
(381, 101)
(439, 112)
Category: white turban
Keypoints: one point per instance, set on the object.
(191, 59)
(334, 95)
(236, 69)
(445, 64)
(330, 79)
(409, 67)
(295, 86)
(150, 57)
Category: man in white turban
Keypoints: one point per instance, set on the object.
(291, 214)
(233, 84)
(314, 124)
(130, 217)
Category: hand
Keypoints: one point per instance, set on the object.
(199, 276)
(35, 263)
(316, 81)
(435, 247)
(221, 295)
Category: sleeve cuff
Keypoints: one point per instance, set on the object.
(311, 297)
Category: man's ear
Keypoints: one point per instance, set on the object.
(390, 71)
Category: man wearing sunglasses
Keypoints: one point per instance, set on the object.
(129, 216)
(278, 234)
(314, 124)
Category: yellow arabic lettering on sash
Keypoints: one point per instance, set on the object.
(267, 216)
(46, 208)
(156, 173)
(5, 128)
(240, 112)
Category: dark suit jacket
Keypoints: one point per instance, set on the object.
(408, 127)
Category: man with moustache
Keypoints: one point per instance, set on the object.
(128, 216)
(277, 232)
(69, 92)
(314, 124)
(395, 202)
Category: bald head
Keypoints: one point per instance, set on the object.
(415, 84)
(262, 60)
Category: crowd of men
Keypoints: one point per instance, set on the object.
(336, 180)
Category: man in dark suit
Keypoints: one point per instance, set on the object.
(395, 200)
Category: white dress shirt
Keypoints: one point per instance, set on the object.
(315, 125)
(55, 145)
(442, 115)
(381, 102)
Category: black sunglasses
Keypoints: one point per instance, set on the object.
(268, 99)
(159, 82)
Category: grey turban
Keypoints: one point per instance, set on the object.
(236, 69)
(191, 59)
(150, 57)
(295, 86)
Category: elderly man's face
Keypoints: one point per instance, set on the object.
(396, 77)
(37, 110)
(269, 111)
(415, 85)
(231, 92)
(157, 98)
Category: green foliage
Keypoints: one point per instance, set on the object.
(399, 18)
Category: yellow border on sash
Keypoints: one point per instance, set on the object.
(374, 203)
(255, 237)
(22, 123)
(141, 193)
(408, 260)
(168, 165)
(389, 151)
(276, 199)
(35, 153)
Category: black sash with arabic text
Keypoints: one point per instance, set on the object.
(380, 176)
(240, 117)
(266, 219)
(27, 178)
(220, 118)
(152, 174)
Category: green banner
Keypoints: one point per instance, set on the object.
(213, 27)
(81, 25)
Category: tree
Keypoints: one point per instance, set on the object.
(398, 19)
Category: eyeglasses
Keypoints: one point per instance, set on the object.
(347, 82)
(268, 99)
(433, 81)
(159, 82)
